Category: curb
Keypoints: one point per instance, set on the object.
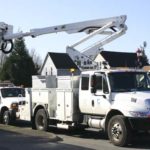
(50, 137)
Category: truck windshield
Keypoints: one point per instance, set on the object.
(13, 92)
(129, 81)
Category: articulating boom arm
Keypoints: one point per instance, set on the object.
(93, 27)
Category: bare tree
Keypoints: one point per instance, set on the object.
(142, 59)
(2, 58)
(36, 59)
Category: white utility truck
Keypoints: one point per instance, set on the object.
(10, 98)
(117, 101)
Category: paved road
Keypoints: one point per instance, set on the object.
(93, 139)
(24, 138)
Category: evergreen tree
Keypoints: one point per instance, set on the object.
(19, 66)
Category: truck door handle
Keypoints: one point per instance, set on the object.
(93, 103)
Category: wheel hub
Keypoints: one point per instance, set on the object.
(41, 121)
(5, 118)
(116, 131)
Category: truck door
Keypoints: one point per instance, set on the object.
(25, 106)
(85, 103)
(100, 96)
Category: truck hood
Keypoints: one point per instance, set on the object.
(132, 101)
(9, 100)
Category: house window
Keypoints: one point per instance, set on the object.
(51, 71)
(89, 62)
(46, 71)
(78, 62)
(84, 62)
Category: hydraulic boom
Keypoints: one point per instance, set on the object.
(112, 27)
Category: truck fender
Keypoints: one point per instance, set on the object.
(40, 106)
(109, 115)
(3, 108)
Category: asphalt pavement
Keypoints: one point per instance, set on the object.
(46, 136)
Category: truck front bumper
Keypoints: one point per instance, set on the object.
(140, 123)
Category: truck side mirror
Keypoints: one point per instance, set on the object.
(93, 90)
(93, 84)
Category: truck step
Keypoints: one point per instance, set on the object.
(63, 126)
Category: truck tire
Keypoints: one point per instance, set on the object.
(41, 121)
(6, 118)
(118, 131)
(33, 123)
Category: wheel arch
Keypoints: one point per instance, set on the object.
(110, 114)
(3, 109)
(40, 106)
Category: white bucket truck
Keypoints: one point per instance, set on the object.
(117, 101)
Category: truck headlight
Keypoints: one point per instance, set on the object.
(139, 114)
(14, 106)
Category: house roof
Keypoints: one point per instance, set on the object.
(120, 59)
(62, 61)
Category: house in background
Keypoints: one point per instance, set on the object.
(58, 64)
(117, 59)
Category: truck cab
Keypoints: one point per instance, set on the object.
(10, 97)
(117, 101)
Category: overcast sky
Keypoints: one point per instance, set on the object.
(28, 14)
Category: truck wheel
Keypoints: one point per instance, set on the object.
(6, 118)
(41, 122)
(118, 131)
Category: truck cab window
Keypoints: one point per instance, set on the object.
(99, 82)
(105, 86)
(129, 81)
(85, 83)
(12, 92)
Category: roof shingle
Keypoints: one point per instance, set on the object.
(62, 61)
(120, 59)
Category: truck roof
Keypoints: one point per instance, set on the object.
(114, 70)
